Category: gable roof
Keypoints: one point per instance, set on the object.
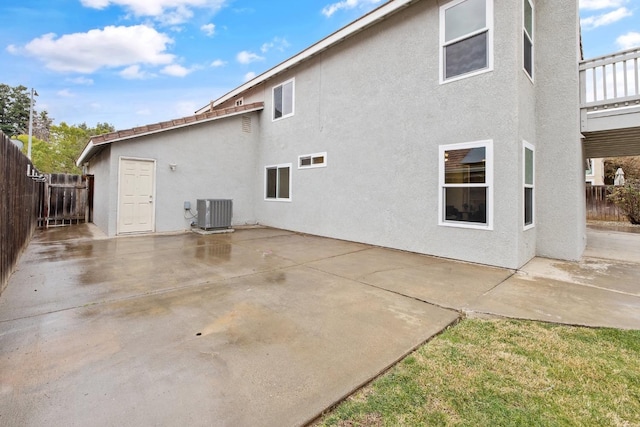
(97, 142)
(387, 9)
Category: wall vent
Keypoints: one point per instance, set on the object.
(246, 124)
(214, 213)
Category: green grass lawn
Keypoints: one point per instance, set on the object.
(506, 373)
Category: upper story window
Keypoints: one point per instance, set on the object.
(239, 102)
(466, 38)
(528, 38)
(283, 100)
(466, 185)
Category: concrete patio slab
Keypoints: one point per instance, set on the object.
(56, 276)
(613, 243)
(301, 248)
(359, 265)
(195, 330)
(257, 327)
(548, 300)
(438, 281)
(608, 274)
(448, 284)
(601, 290)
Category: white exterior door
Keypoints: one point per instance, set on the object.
(136, 212)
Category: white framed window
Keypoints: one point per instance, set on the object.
(317, 160)
(466, 39)
(277, 180)
(239, 102)
(528, 29)
(528, 180)
(284, 100)
(466, 185)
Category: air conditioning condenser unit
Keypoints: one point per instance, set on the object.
(214, 213)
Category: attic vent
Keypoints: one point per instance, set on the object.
(246, 124)
(239, 102)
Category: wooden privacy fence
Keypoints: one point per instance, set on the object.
(29, 200)
(20, 206)
(599, 207)
(65, 201)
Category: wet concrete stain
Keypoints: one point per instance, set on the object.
(245, 325)
(606, 274)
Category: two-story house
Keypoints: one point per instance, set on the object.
(429, 126)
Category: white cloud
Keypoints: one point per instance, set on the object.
(12, 49)
(170, 12)
(111, 47)
(246, 57)
(277, 43)
(209, 29)
(601, 4)
(249, 76)
(65, 93)
(329, 10)
(628, 41)
(176, 70)
(596, 21)
(81, 81)
(218, 63)
(133, 72)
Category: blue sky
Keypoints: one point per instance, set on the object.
(136, 62)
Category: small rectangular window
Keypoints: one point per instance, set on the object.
(528, 38)
(466, 185)
(283, 100)
(239, 102)
(529, 185)
(589, 167)
(318, 160)
(465, 38)
(278, 182)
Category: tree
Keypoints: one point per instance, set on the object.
(630, 165)
(42, 125)
(54, 149)
(15, 103)
(627, 198)
(65, 145)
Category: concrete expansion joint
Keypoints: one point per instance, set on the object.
(513, 273)
(431, 303)
(601, 288)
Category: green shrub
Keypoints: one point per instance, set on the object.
(627, 199)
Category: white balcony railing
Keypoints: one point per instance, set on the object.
(610, 81)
